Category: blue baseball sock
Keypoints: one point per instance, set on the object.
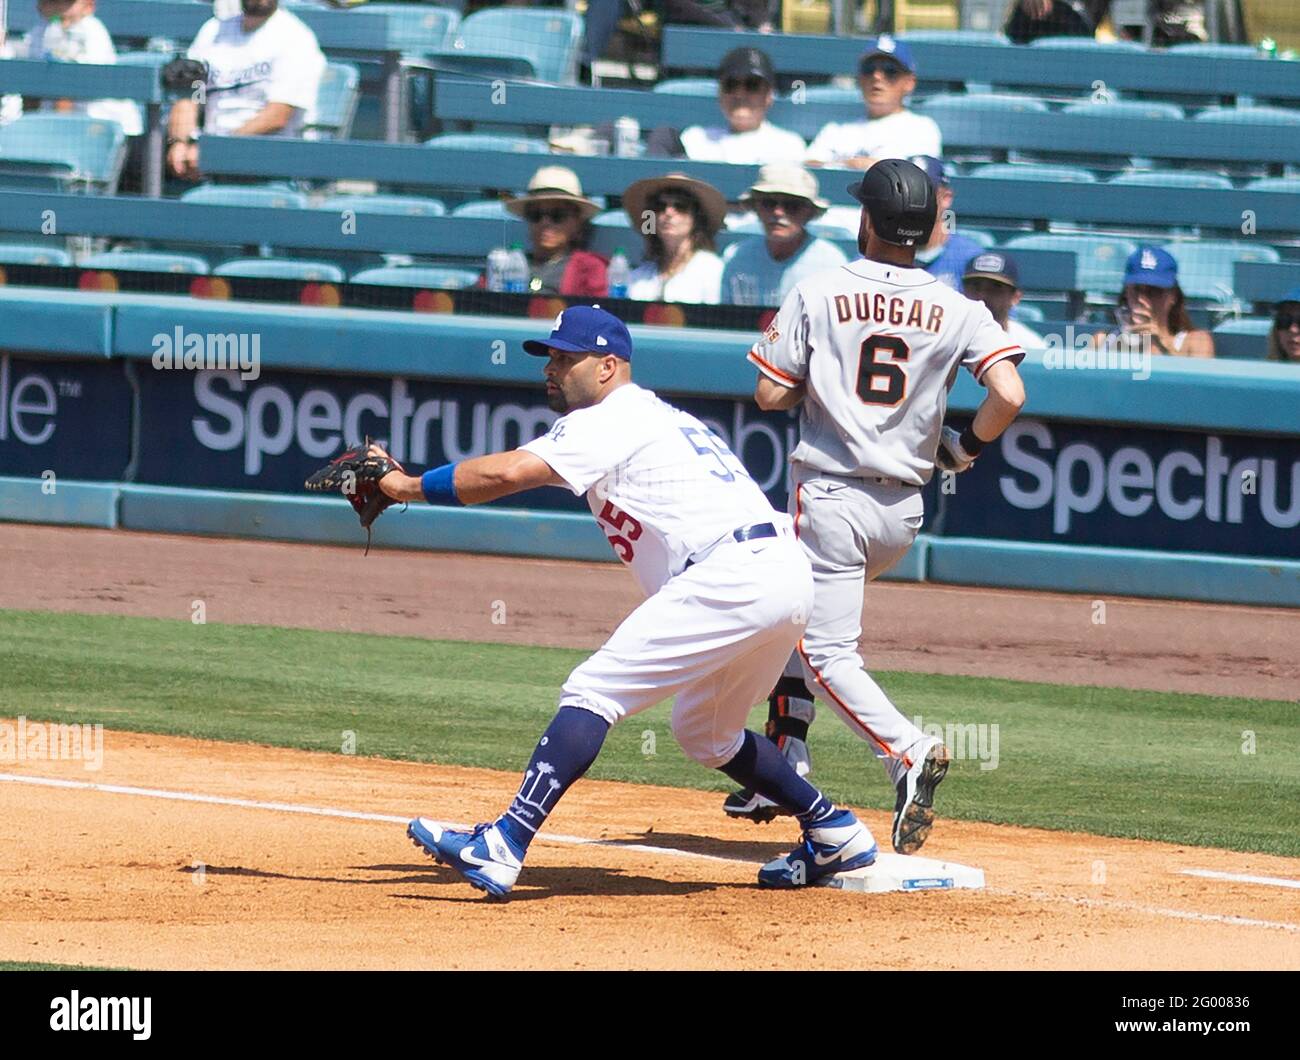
(564, 753)
(760, 766)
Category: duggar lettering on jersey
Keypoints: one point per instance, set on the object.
(77, 1013)
(878, 309)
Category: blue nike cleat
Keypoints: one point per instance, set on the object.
(839, 844)
(484, 856)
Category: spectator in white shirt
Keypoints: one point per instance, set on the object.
(886, 76)
(994, 279)
(763, 269)
(69, 32)
(746, 89)
(678, 217)
(264, 71)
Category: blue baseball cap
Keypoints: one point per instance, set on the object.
(1152, 267)
(934, 168)
(890, 48)
(585, 329)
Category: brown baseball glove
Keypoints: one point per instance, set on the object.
(356, 474)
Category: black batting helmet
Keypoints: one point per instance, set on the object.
(900, 200)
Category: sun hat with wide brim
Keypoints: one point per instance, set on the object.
(554, 184)
(786, 178)
(638, 195)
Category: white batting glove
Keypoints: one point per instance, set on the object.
(952, 456)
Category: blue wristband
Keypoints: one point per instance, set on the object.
(439, 485)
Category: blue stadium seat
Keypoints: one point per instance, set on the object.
(1126, 109)
(688, 86)
(1034, 171)
(406, 205)
(495, 210)
(1291, 184)
(155, 59)
(977, 235)
(1216, 51)
(1250, 115)
(1205, 265)
(282, 269)
(744, 225)
(549, 39)
(489, 142)
(1089, 42)
(418, 276)
(245, 195)
(94, 150)
(954, 36)
(606, 218)
(416, 28)
(956, 104)
(33, 254)
(1100, 259)
(1243, 337)
(1171, 178)
(1027, 314)
(336, 103)
(146, 261)
(832, 94)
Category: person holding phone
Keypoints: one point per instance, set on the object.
(1152, 306)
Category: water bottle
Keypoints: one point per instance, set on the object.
(495, 275)
(617, 273)
(627, 138)
(516, 272)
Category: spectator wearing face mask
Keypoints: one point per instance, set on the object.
(763, 269)
(746, 89)
(264, 72)
(994, 279)
(886, 76)
(70, 33)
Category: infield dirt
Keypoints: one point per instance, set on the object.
(108, 878)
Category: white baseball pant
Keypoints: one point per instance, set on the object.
(715, 636)
(853, 530)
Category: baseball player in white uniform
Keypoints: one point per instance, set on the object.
(728, 592)
(868, 352)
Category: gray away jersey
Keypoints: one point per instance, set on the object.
(878, 346)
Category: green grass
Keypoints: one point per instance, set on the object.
(1107, 761)
(40, 966)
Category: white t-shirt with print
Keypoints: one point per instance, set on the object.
(699, 282)
(85, 41)
(902, 134)
(767, 143)
(660, 483)
(279, 62)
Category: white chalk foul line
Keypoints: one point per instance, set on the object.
(353, 815)
(572, 840)
(1236, 877)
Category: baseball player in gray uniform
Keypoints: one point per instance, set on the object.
(868, 352)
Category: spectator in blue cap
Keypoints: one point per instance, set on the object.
(1284, 337)
(993, 278)
(1152, 305)
(947, 251)
(886, 77)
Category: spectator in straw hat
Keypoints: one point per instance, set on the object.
(678, 216)
(761, 270)
(993, 278)
(558, 216)
(1284, 336)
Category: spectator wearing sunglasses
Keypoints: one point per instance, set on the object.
(1284, 338)
(678, 216)
(886, 76)
(762, 270)
(746, 89)
(1152, 305)
(558, 213)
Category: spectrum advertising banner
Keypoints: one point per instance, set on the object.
(1058, 481)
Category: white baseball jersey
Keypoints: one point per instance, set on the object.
(878, 346)
(662, 485)
(279, 62)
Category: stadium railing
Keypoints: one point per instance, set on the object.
(1075, 69)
